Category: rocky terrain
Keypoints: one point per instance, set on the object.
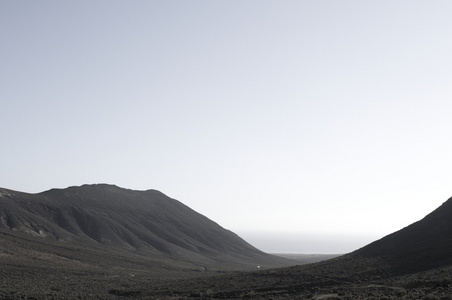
(104, 242)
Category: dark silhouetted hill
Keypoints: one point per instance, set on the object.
(107, 217)
(423, 245)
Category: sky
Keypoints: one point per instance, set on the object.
(303, 126)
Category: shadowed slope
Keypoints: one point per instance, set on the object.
(423, 245)
(146, 221)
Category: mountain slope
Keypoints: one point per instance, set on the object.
(423, 245)
(127, 220)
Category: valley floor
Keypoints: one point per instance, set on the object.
(306, 282)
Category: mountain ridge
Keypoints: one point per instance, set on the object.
(126, 219)
(412, 263)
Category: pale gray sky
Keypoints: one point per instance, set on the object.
(272, 118)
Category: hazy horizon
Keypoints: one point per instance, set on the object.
(305, 242)
(319, 117)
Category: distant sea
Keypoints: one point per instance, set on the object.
(305, 243)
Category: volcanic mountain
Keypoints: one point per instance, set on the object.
(426, 244)
(113, 219)
(84, 242)
(422, 246)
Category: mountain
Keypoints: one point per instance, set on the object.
(426, 244)
(110, 218)
(106, 242)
